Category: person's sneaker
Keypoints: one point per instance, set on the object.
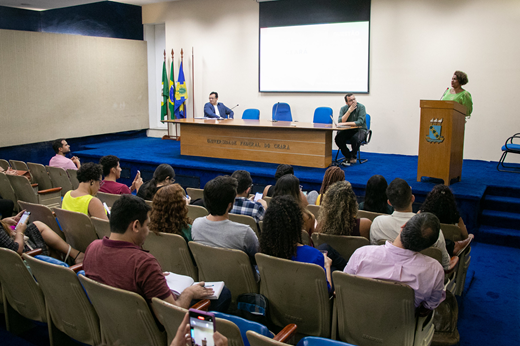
(353, 160)
(345, 163)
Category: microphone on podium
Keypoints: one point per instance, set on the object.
(448, 88)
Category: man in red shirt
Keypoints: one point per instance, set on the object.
(112, 172)
(119, 261)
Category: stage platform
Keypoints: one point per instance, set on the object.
(145, 153)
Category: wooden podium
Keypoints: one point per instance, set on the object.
(441, 140)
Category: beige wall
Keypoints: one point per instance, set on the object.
(415, 46)
(56, 85)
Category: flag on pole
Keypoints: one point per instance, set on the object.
(171, 101)
(164, 93)
(181, 95)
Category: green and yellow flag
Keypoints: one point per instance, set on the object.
(164, 93)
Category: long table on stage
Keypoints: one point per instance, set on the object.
(294, 143)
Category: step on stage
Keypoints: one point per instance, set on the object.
(146, 154)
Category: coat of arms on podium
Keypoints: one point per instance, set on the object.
(435, 131)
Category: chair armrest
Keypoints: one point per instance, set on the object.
(453, 265)
(34, 185)
(286, 333)
(77, 267)
(34, 252)
(54, 189)
(202, 305)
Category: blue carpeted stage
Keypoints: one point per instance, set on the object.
(145, 154)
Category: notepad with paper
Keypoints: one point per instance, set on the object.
(178, 283)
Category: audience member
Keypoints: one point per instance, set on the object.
(289, 185)
(338, 212)
(216, 229)
(82, 199)
(170, 212)
(164, 175)
(375, 196)
(332, 175)
(282, 237)
(441, 202)
(23, 237)
(387, 227)
(119, 261)
(243, 205)
(112, 172)
(281, 170)
(61, 148)
(401, 261)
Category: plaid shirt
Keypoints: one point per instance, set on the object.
(244, 206)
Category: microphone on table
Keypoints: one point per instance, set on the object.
(232, 109)
(276, 111)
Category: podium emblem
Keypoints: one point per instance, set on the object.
(434, 135)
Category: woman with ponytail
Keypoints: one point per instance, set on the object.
(164, 175)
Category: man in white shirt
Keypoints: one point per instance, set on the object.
(387, 227)
(215, 109)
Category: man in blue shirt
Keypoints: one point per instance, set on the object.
(215, 109)
(352, 114)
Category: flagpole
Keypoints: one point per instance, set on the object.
(167, 124)
(193, 81)
(184, 103)
(177, 137)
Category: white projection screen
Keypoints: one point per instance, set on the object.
(315, 58)
(311, 46)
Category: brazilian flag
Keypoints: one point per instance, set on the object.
(181, 95)
(164, 93)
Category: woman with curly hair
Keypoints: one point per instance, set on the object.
(338, 212)
(375, 196)
(282, 235)
(82, 199)
(164, 175)
(441, 202)
(289, 185)
(170, 212)
(332, 175)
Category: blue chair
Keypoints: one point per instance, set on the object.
(256, 339)
(366, 140)
(282, 112)
(251, 113)
(245, 325)
(509, 148)
(322, 115)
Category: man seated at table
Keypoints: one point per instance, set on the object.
(62, 148)
(216, 229)
(120, 261)
(112, 172)
(215, 109)
(401, 261)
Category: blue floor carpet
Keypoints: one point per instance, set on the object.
(476, 175)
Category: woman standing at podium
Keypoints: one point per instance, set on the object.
(457, 94)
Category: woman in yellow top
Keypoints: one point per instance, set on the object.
(457, 94)
(82, 199)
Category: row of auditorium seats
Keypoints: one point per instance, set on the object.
(240, 281)
(282, 112)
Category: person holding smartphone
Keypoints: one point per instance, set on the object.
(19, 235)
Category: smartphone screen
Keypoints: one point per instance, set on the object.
(24, 218)
(202, 328)
(258, 196)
